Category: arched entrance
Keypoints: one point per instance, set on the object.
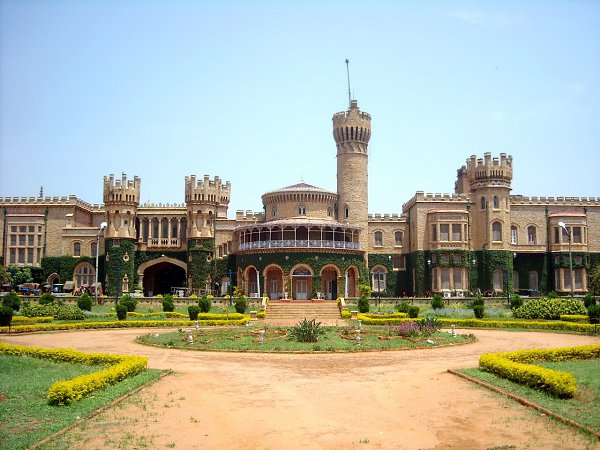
(252, 282)
(301, 283)
(329, 282)
(274, 282)
(351, 282)
(161, 274)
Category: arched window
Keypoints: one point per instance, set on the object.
(93, 249)
(496, 231)
(329, 212)
(378, 238)
(514, 235)
(398, 236)
(274, 211)
(77, 249)
(84, 275)
(531, 235)
(301, 210)
(482, 202)
(379, 280)
(496, 202)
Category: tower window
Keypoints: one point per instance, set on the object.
(398, 235)
(301, 210)
(482, 202)
(496, 202)
(346, 211)
(496, 231)
(274, 211)
(329, 212)
(513, 235)
(378, 238)
(77, 249)
(531, 235)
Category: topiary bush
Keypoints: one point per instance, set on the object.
(549, 308)
(515, 301)
(363, 305)
(413, 312)
(241, 304)
(168, 304)
(594, 313)
(121, 312)
(437, 301)
(6, 314)
(85, 302)
(46, 299)
(402, 306)
(205, 303)
(477, 301)
(552, 294)
(59, 312)
(129, 301)
(588, 300)
(193, 312)
(479, 311)
(12, 300)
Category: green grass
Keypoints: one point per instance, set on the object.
(584, 408)
(25, 415)
(240, 339)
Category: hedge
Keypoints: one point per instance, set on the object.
(565, 317)
(65, 392)
(24, 319)
(517, 367)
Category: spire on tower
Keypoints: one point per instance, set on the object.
(348, 73)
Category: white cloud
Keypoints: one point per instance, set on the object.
(484, 19)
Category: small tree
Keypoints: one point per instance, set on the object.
(204, 303)
(413, 312)
(241, 304)
(479, 311)
(85, 302)
(437, 301)
(129, 301)
(364, 290)
(167, 303)
(12, 300)
(193, 312)
(5, 276)
(6, 314)
(515, 301)
(121, 312)
(363, 305)
(594, 313)
(589, 300)
(46, 298)
(595, 280)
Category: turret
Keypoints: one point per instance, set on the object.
(352, 132)
(121, 199)
(206, 200)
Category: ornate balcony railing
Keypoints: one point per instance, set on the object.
(163, 242)
(301, 243)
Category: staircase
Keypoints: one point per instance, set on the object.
(298, 310)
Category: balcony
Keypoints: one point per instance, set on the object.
(301, 243)
(163, 243)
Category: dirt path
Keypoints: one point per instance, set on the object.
(375, 400)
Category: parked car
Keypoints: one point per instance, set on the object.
(529, 293)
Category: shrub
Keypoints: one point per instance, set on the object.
(121, 311)
(363, 305)
(193, 312)
(241, 304)
(167, 303)
(594, 313)
(204, 303)
(588, 300)
(515, 301)
(552, 294)
(12, 300)
(437, 301)
(549, 308)
(478, 310)
(84, 302)
(59, 312)
(402, 307)
(306, 331)
(6, 314)
(46, 298)
(430, 324)
(413, 312)
(128, 301)
(408, 329)
(364, 290)
(477, 301)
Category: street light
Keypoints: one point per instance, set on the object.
(102, 227)
(564, 227)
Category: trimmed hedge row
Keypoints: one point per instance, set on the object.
(517, 367)
(23, 319)
(572, 318)
(120, 324)
(396, 315)
(65, 392)
(178, 315)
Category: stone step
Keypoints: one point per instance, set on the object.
(300, 310)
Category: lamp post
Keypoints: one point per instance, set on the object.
(564, 227)
(379, 277)
(102, 227)
(430, 277)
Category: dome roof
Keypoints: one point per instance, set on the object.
(300, 187)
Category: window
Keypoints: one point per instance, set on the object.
(496, 202)
(301, 210)
(399, 262)
(77, 249)
(444, 259)
(378, 238)
(84, 274)
(398, 235)
(329, 212)
(513, 235)
(445, 278)
(457, 279)
(578, 276)
(576, 235)
(379, 279)
(93, 249)
(533, 279)
(498, 282)
(482, 202)
(496, 231)
(274, 211)
(346, 211)
(444, 232)
(557, 235)
(578, 260)
(456, 232)
(433, 233)
(531, 235)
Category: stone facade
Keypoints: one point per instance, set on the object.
(312, 243)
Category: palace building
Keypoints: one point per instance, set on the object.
(308, 242)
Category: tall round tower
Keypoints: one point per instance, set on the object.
(352, 131)
(121, 199)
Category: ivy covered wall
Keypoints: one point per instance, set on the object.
(119, 261)
(64, 266)
(398, 283)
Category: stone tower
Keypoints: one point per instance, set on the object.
(206, 200)
(489, 182)
(121, 200)
(352, 131)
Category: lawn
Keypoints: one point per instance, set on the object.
(242, 339)
(584, 408)
(25, 415)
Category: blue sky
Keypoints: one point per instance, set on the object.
(246, 91)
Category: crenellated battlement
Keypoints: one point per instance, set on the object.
(480, 171)
(386, 217)
(559, 201)
(249, 216)
(352, 126)
(49, 201)
(122, 191)
(207, 190)
(420, 196)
